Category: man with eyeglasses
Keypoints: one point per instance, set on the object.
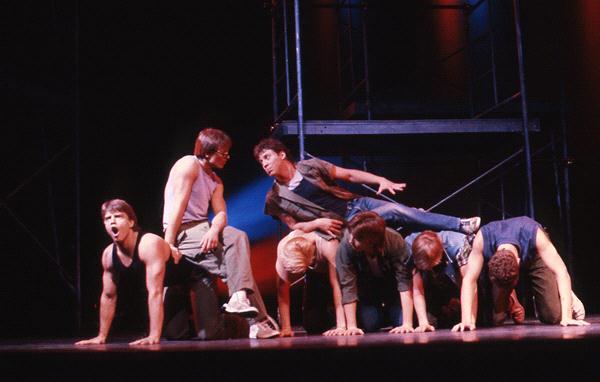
(221, 250)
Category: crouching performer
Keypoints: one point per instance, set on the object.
(375, 278)
(133, 254)
(310, 259)
(511, 246)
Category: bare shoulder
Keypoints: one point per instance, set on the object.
(478, 241)
(153, 245)
(107, 257)
(186, 165)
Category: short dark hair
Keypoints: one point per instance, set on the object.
(271, 144)
(368, 227)
(503, 268)
(119, 205)
(427, 250)
(209, 140)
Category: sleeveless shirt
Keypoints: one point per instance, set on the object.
(197, 207)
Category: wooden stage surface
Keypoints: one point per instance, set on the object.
(530, 352)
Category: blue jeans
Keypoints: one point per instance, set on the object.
(399, 215)
(379, 303)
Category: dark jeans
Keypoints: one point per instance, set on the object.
(399, 215)
(379, 303)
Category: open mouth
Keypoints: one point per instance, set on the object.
(114, 230)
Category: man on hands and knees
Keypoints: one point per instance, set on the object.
(305, 196)
(375, 278)
(510, 247)
(132, 255)
(308, 258)
(437, 258)
(219, 249)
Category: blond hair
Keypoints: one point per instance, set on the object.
(297, 255)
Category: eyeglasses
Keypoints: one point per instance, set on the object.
(224, 155)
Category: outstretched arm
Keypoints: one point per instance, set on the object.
(468, 290)
(552, 259)
(108, 301)
(154, 252)
(358, 176)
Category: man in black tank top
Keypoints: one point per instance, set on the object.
(132, 256)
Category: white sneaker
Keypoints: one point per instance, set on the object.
(267, 328)
(240, 306)
(578, 308)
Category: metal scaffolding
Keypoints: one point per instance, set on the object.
(353, 27)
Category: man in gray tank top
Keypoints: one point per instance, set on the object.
(221, 250)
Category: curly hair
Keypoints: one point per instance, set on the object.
(503, 268)
(427, 250)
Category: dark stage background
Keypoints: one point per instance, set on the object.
(100, 98)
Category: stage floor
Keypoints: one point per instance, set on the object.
(525, 352)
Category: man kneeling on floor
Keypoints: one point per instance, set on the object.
(509, 247)
(375, 278)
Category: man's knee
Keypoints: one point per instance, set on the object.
(550, 316)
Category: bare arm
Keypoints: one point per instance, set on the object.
(182, 177)
(406, 300)
(283, 301)
(468, 290)
(332, 227)
(350, 312)
(328, 250)
(357, 176)
(108, 301)
(154, 252)
(211, 239)
(553, 261)
(420, 304)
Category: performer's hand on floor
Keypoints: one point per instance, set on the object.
(572, 322)
(462, 327)
(354, 332)
(335, 332)
(150, 340)
(424, 328)
(402, 329)
(98, 340)
(286, 332)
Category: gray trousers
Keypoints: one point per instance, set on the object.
(230, 261)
